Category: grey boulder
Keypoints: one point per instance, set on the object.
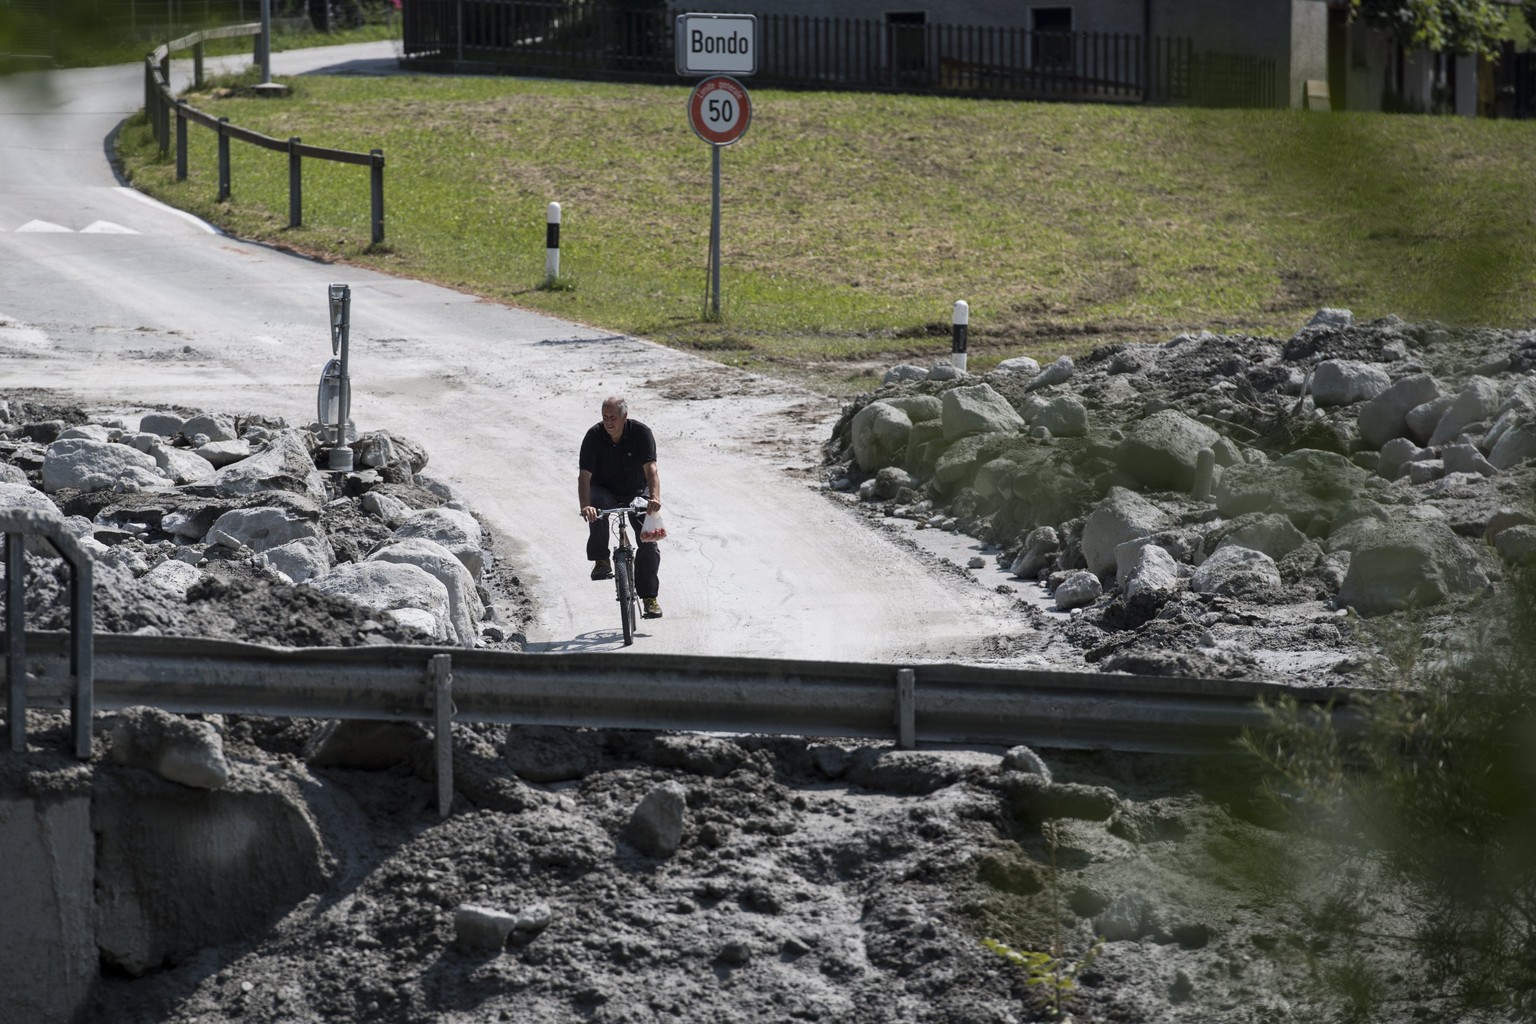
(1235, 571)
(1405, 562)
(1123, 515)
(409, 594)
(86, 465)
(464, 607)
(1161, 451)
(454, 529)
(978, 409)
(1386, 416)
(880, 431)
(1345, 381)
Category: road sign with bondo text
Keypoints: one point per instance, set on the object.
(716, 44)
(720, 110)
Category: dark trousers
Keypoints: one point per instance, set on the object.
(647, 554)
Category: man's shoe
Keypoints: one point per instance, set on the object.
(602, 569)
(652, 608)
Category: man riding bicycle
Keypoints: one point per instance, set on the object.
(618, 464)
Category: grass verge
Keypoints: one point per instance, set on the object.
(851, 222)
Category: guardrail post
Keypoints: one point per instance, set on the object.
(376, 180)
(440, 672)
(15, 527)
(82, 655)
(163, 114)
(181, 140)
(149, 90)
(223, 161)
(197, 64)
(16, 640)
(906, 708)
(295, 184)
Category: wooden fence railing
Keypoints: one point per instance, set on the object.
(160, 101)
(551, 37)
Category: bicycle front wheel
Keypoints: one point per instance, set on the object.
(624, 583)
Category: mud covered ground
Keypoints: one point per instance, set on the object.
(813, 881)
(810, 880)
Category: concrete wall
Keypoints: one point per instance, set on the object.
(1293, 33)
(47, 913)
(1308, 53)
(179, 868)
(126, 867)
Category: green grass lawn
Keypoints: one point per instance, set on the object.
(852, 222)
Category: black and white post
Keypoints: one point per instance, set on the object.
(960, 326)
(551, 244)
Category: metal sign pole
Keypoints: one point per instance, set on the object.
(266, 42)
(336, 380)
(714, 236)
(719, 111)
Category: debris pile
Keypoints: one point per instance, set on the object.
(218, 526)
(1181, 494)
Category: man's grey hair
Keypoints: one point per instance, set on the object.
(617, 404)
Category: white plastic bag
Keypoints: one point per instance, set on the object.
(652, 528)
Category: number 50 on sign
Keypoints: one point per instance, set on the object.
(720, 110)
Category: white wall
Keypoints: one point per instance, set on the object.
(1308, 54)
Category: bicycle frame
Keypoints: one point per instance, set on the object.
(624, 571)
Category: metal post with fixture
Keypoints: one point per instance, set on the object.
(334, 406)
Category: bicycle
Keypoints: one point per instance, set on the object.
(624, 568)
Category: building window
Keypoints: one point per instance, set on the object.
(1052, 46)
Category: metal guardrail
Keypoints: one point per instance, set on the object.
(928, 703)
(931, 703)
(78, 669)
(159, 101)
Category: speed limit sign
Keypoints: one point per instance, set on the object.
(720, 110)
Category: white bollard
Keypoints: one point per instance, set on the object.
(961, 326)
(552, 243)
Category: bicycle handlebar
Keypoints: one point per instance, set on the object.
(603, 512)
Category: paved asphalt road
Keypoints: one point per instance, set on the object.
(127, 305)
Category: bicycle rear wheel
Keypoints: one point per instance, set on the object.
(624, 583)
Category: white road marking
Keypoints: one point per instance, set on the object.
(45, 226)
(106, 227)
(157, 204)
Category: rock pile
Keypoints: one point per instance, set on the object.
(220, 526)
(1166, 488)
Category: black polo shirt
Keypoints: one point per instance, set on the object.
(619, 467)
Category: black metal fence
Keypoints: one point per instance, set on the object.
(1517, 86)
(577, 39)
